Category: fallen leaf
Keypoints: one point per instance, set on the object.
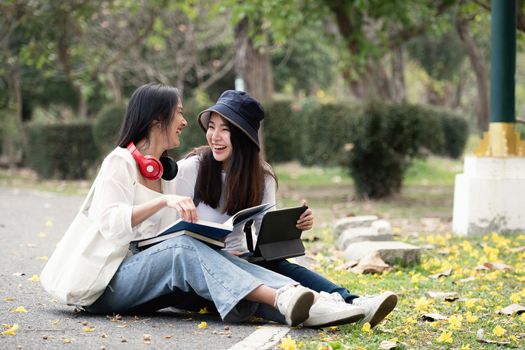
(497, 266)
(517, 250)
(9, 299)
(55, 322)
(146, 337)
(168, 336)
(447, 272)
(66, 341)
(88, 329)
(346, 266)
(19, 309)
(432, 317)
(202, 325)
(468, 279)
(388, 344)
(447, 296)
(512, 309)
(11, 330)
(204, 311)
(34, 278)
(371, 263)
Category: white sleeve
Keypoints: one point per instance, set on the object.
(112, 203)
(187, 176)
(268, 197)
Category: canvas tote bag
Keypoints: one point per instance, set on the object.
(83, 262)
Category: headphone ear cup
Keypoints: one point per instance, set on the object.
(170, 168)
(151, 168)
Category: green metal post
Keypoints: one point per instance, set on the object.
(503, 61)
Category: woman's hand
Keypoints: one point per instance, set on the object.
(306, 220)
(184, 206)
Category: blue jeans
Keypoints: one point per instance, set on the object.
(307, 278)
(185, 273)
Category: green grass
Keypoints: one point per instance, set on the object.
(481, 294)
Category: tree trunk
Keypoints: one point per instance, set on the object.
(398, 75)
(254, 68)
(252, 65)
(10, 154)
(480, 70)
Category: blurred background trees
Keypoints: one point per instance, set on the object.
(77, 61)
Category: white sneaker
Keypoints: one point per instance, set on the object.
(332, 310)
(294, 302)
(377, 307)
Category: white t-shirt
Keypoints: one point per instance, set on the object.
(185, 186)
(117, 191)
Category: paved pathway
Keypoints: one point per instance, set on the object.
(30, 225)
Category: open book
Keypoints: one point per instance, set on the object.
(207, 231)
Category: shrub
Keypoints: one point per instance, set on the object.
(385, 140)
(282, 131)
(455, 132)
(64, 151)
(324, 130)
(106, 127)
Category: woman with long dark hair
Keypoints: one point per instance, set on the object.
(228, 175)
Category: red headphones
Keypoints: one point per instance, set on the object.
(149, 166)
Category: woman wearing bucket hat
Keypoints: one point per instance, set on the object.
(228, 175)
(130, 201)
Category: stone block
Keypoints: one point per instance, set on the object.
(352, 222)
(383, 227)
(391, 252)
(360, 234)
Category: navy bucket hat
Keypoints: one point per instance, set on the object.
(238, 108)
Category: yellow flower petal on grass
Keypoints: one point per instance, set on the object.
(498, 331)
(34, 278)
(522, 318)
(469, 303)
(445, 337)
(471, 318)
(287, 343)
(202, 325)
(11, 330)
(367, 328)
(454, 322)
(423, 304)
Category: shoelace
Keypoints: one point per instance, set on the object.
(332, 297)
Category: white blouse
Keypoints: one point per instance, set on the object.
(117, 191)
(185, 186)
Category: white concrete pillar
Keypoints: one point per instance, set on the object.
(490, 196)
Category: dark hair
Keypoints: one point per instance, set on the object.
(149, 103)
(244, 183)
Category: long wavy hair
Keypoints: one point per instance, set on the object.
(245, 175)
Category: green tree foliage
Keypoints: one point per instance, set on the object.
(441, 56)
